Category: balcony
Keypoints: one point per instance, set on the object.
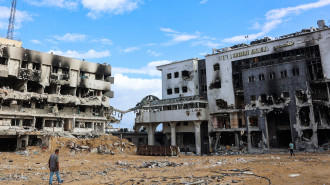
(61, 79)
(29, 74)
(196, 114)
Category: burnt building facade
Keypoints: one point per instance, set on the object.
(261, 95)
(272, 92)
(42, 94)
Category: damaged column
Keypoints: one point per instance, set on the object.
(198, 136)
(173, 133)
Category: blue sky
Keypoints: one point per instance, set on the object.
(134, 36)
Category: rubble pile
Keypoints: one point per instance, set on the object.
(105, 144)
(230, 150)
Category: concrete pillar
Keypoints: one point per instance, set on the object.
(151, 133)
(43, 123)
(173, 133)
(103, 127)
(217, 141)
(236, 139)
(34, 121)
(198, 136)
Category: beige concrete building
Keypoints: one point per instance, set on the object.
(42, 94)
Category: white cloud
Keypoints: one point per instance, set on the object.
(130, 49)
(150, 69)
(97, 7)
(154, 53)
(103, 41)
(67, 4)
(70, 37)
(196, 38)
(91, 54)
(35, 41)
(275, 17)
(21, 16)
(124, 87)
(203, 1)
(168, 30)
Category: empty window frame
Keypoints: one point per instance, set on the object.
(272, 75)
(286, 94)
(203, 72)
(185, 74)
(65, 71)
(36, 66)
(284, 74)
(251, 79)
(169, 91)
(169, 76)
(24, 64)
(295, 72)
(204, 88)
(261, 77)
(176, 75)
(184, 89)
(3, 61)
(176, 90)
(216, 67)
(55, 69)
(253, 97)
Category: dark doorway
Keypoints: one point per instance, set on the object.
(227, 138)
(39, 123)
(323, 136)
(8, 144)
(204, 138)
(279, 130)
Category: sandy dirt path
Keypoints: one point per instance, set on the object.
(79, 169)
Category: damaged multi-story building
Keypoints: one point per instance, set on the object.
(42, 94)
(261, 95)
(182, 111)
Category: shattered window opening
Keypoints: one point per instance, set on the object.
(36, 66)
(295, 72)
(251, 79)
(169, 91)
(176, 90)
(185, 74)
(176, 75)
(3, 61)
(272, 76)
(184, 89)
(216, 67)
(284, 74)
(253, 97)
(24, 64)
(54, 69)
(221, 104)
(261, 77)
(169, 76)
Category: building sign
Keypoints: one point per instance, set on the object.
(288, 43)
(244, 53)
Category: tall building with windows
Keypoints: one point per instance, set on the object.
(261, 96)
(42, 93)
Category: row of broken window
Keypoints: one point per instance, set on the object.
(177, 90)
(272, 75)
(184, 74)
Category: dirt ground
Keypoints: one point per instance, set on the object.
(84, 168)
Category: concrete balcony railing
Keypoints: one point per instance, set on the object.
(29, 74)
(196, 114)
(4, 71)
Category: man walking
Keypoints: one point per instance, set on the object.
(291, 149)
(54, 166)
